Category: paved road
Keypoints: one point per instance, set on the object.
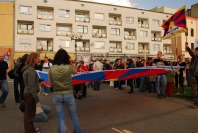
(107, 108)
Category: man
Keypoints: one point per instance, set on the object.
(45, 67)
(160, 79)
(194, 72)
(97, 66)
(3, 80)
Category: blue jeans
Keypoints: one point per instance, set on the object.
(59, 102)
(4, 88)
(161, 84)
(41, 117)
(46, 89)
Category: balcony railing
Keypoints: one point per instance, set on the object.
(115, 22)
(156, 39)
(143, 25)
(85, 19)
(82, 49)
(115, 50)
(63, 33)
(129, 37)
(45, 17)
(25, 31)
(97, 35)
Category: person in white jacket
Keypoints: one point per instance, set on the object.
(97, 66)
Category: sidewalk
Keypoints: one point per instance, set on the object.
(107, 108)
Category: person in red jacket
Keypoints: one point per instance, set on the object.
(81, 67)
(80, 90)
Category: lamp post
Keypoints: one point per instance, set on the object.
(76, 37)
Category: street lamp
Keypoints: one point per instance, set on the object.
(76, 37)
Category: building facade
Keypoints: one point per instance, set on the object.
(46, 25)
(6, 31)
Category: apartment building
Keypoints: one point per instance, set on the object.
(101, 29)
(6, 31)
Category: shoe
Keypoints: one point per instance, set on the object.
(43, 93)
(130, 92)
(37, 130)
(3, 105)
(194, 107)
(46, 94)
(159, 96)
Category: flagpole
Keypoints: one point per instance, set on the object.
(176, 52)
(144, 54)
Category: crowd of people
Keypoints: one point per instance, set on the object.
(60, 72)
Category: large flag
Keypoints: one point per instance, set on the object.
(118, 74)
(175, 24)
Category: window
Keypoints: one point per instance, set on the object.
(25, 41)
(45, 14)
(156, 22)
(130, 46)
(64, 43)
(82, 29)
(115, 31)
(63, 29)
(45, 45)
(192, 45)
(79, 44)
(143, 33)
(25, 9)
(129, 20)
(99, 45)
(156, 47)
(192, 32)
(142, 47)
(99, 16)
(64, 13)
(44, 27)
(167, 49)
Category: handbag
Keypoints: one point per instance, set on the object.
(11, 74)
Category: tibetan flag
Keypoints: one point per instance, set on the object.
(118, 74)
(175, 24)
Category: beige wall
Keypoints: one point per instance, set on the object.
(6, 24)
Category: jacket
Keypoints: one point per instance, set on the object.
(60, 77)
(194, 63)
(170, 77)
(30, 78)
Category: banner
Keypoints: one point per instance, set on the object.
(175, 24)
(118, 74)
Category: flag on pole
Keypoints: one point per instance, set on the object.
(175, 24)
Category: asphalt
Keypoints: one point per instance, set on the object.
(109, 108)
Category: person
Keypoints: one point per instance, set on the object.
(18, 80)
(80, 90)
(3, 80)
(194, 72)
(31, 98)
(45, 67)
(97, 66)
(61, 80)
(41, 113)
(161, 82)
(130, 64)
(179, 77)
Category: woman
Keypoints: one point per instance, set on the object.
(30, 78)
(61, 80)
(18, 80)
(130, 64)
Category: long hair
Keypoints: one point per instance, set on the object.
(61, 57)
(24, 58)
(31, 58)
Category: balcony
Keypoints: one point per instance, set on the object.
(157, 39)
(97, 35)
(25, 27)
